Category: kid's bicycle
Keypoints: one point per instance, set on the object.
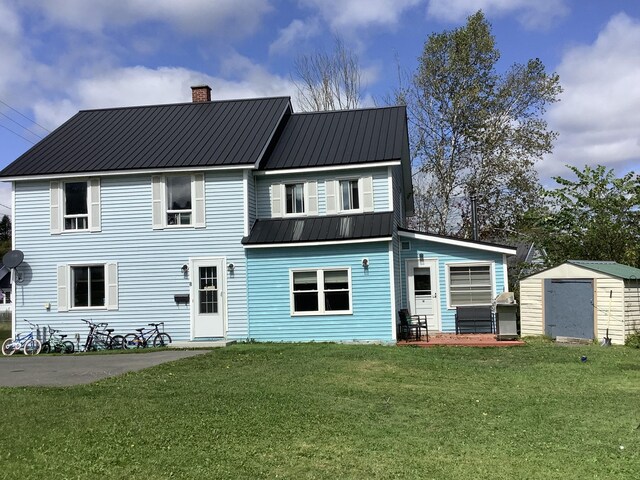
(57, 343)
(146, 337)
(23, 341)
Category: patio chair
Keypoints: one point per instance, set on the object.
(409, 322)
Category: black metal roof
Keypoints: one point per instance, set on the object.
(339, 138)
(319, 229)
(203, 134)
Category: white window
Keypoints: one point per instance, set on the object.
(294, 193)
(470, 284)
(349, 195)
(75, 206)
(178, 201)
(323, 291)
(88, 286)
(295, 198)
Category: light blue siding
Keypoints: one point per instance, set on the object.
(149, 261)
(269, 294)
(446, 254)
(380, 187)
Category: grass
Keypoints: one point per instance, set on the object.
(339, 411)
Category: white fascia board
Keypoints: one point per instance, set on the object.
(319, 244)
(328, 168)
(151, 171)
(457, 242)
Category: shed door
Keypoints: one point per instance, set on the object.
(568, 308)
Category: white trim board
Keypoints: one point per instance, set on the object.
(327, 168)
(458, 242)
(317, 244)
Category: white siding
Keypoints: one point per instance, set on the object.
(148, 260)
(610, 311)
(531, 307)
(632, 307)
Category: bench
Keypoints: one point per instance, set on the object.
(474, 319)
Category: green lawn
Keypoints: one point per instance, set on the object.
(339, 411)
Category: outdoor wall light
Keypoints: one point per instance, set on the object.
(365, 263)
(184, 269)
(231, 267)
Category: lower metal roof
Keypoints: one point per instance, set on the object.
(320, 229)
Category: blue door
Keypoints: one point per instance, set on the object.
(568, 308)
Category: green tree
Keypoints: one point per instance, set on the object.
(594, 217)
(5, 235)
(474, 130)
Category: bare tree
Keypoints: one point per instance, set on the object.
(328, 81)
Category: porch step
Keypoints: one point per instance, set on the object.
(201, 344)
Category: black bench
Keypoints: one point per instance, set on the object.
(474, 319)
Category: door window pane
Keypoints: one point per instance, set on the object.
(422, 281)
(208, 289)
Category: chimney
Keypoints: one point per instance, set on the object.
(201, 93)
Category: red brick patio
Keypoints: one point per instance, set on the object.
(463, 340)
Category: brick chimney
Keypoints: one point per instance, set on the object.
(201, 93)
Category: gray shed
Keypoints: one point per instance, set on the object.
(581, 299)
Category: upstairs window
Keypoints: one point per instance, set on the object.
(178, 200)
(76, 211)
(294, 193)
(349, 195)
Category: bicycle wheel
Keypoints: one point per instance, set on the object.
(46, 347)
(116, 342)
(131, 340)
(68, 347)
(8, 347)
(162, 340)
(32, 347)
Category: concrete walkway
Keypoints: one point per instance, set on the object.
(65, 370)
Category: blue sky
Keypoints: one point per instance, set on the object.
(60, 56)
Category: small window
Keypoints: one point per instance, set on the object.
(470, 285)
(88, 286)
(178, 200)
(76, 211)
(321, 291)
(349, 195)
(295, 197)
(405, 245)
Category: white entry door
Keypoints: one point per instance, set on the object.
(208, 293)
(422, 291)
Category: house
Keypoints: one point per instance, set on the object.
(582, 299)
(5, 289)
(235, 219)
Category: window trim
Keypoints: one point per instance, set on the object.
(77, 216)
(492, 274)
(341, 208)
(65, 287)
(321, 291)
(159, 201)
(305, 200)
(88, 266)
(58, 207)
(165, 206)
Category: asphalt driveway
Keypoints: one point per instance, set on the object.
(61, 371)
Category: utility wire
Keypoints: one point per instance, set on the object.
(20, 125)
(16, 133)
(22, 115)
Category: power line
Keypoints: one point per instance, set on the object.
(16, 133)
(22, 115)
(20, 125)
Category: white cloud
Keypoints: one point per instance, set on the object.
(348, 14)
(599, 116)
(531, 13)
(190, 16)
(146, 86)
(294, 33)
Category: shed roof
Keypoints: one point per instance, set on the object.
(614, 269)
(185, 135)
(320, 229)
(342, 137)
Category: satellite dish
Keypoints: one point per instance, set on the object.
(12, 258)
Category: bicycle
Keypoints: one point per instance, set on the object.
(100, 338)
(144, 337)
(57, 343)
(25, 342)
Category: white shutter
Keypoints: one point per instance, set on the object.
(56, 208)
(156, 201)
(63, 288)
(94, 205)
(331, 186)
(367, 194)
(199, 206)
(112, 286)
(312, 198)
(276, 200)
